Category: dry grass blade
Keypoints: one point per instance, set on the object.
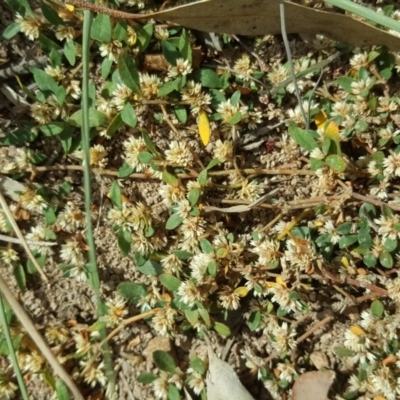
(17, 231)
(38, 339)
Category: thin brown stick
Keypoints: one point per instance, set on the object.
(29, 326)
(127, 322)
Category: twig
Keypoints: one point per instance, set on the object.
(10, 239)
(18, 232)
(26, 322)
(127, 322)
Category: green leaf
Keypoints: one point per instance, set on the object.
(168, 88)
(53, 128)
(222, 329)
(125, 171)
(364, 238)
(369, 260)
(61, 390)
(343, 352)
(386, 260)
(170, 52)
(101, 28)
(11, 30)
(146, 378)
(197, 364)
(206, 246)
(390, 245)
(303, 138)
(129, 116)
(235, 98)
(254, 320)
(114, 125)
(192, 316)
(209, 79)
(50, 216)
(106, 67)
(96, 118)
(124, 241)
(51, 15)
(377, 308)
(345, 83)
(144, 36)
(170, 282)
(20, 277)
(194, 196)
(173, 392)
(345, 228)
(236, 118)
(336, 162)
(202, 179)
(212, 268)
(213, 163)
(120, 30)
(205, 316)
(169, 178)
(150, 268)
(44, 81)
(182, 254)
(40, 258)
(116, 196)
(181, 114)
(164, 361)
(21, 7)
(128, 72)
(132, 291)
(145, 158)
(173, 221)
(348, 240)
(184, 46)
(70, 52)
(149, 143)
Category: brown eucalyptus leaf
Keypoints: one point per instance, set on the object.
(261, 17)
(313, 385)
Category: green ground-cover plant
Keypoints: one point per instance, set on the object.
(195, 272)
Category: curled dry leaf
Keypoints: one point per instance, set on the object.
(261, 17)
(313, 385)
(222, 382)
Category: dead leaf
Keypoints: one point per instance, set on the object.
(260, 17)
(222, 382)
(313, 385)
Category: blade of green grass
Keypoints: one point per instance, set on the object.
(11, 350)
(366, 13)
(93, 274)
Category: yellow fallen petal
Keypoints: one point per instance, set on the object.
(242, 291)
(70, 7)
(204, 127)
(320, 119)
(357, 330)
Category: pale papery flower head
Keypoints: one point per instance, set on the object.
(65, 33)
(388, 226)
(190, 293)
(30, 25)
(223, 150)
(182, 68)
(228, 299)
(37, 237)
(149, 85)
(172, 194)
(179, 154)
(391, 165)
(164, 320)
(9, 256)
(111, 50)
(243, 67)
(121, 95)
(71, 218)
(134, 146)
(93, 373)
(284, 338)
